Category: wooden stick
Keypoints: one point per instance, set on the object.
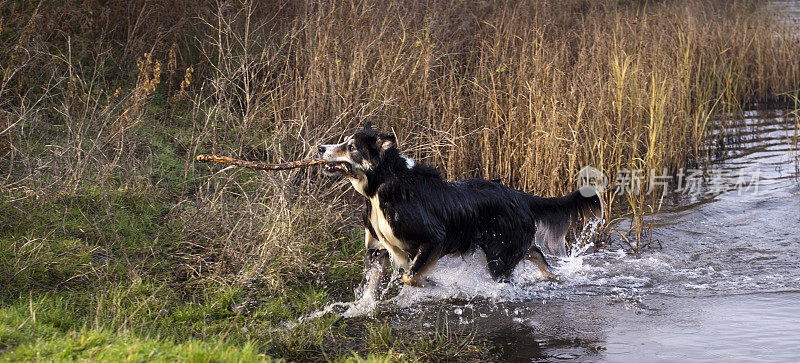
(259, 166)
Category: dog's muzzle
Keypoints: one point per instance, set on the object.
(333, 167)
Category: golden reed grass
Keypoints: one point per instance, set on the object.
(529, 92)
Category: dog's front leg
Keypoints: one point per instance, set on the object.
(375, 260)
(425, 259)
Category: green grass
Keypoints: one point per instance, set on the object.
(90, 275)
(122, 323)
(148, 322)
(102, 345)
(73, 238)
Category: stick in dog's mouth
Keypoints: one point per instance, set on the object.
(332, 167)
(328, 165)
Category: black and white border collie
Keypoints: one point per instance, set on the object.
(415, 217)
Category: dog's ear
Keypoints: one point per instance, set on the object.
(368, 126)
(386, 142)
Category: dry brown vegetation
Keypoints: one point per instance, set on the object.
(104, 104)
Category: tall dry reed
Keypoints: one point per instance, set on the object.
(526, 91)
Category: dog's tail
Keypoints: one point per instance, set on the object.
(554, 216)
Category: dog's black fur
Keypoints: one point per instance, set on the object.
(415, 216)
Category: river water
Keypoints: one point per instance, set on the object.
(721, 282)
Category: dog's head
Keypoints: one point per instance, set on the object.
(358, 155)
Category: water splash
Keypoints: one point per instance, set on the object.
(573, 267)
(369, 296)
(466, 277)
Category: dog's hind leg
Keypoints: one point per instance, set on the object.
(536, 256)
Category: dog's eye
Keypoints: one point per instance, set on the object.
(351, 147)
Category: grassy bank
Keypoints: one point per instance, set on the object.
(115, 244)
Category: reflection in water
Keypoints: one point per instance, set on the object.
(761, 326)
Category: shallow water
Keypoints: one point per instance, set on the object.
(721, 283)
(788, 11)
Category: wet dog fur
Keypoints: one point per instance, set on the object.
(414, 217)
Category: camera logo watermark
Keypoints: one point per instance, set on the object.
(685, 181)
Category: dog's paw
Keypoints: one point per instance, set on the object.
(410, 280)
(416, 281)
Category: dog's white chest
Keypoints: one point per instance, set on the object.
(386, 235)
